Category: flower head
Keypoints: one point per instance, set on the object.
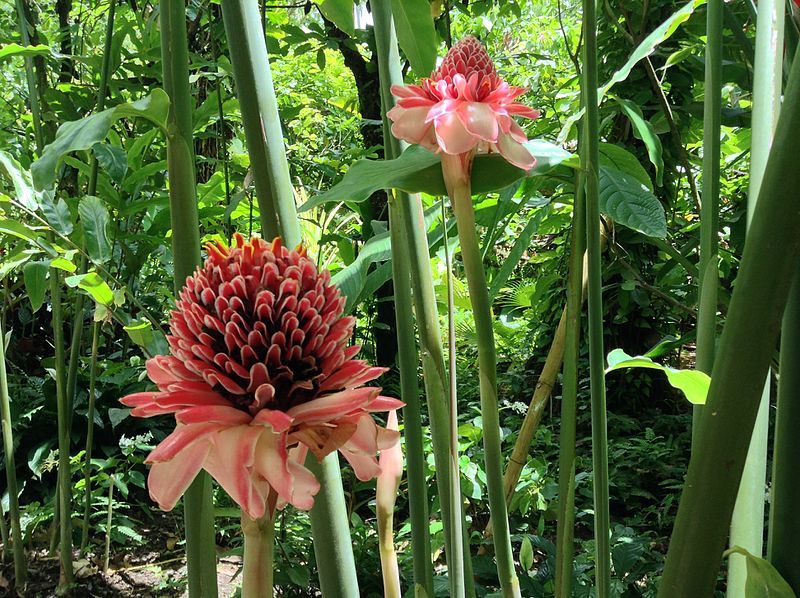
(463, 106)
(260, 372)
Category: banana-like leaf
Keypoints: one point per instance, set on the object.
(416, 34)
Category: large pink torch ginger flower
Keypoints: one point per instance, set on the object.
(260, 373)
(463, 107)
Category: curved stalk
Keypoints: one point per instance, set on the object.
(747, 525)
(20, 564)
(198, 507)
(457, 180)
(259, 541)
(748, 341)
(87, 469)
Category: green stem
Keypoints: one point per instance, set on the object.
(746, 347)
(259, 541)
(784, 516)
(333, 547)
(198, 504)
(30, 76)
(20, 564)
(251, 71)
(87, 469)
(457, 180)
(566, 455)
(109, 519)
(590, 164)
(747, 525)
(709, 210)
(62, 404)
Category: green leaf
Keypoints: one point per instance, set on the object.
(63, 264)
(626, 201)
(351, 279)
(644, 130)
(117, 415)
(512, 259)
(56, 213)
(693, 383)
(94, 217)
(340, 12)
(21, 179)
(419, 170)
(526, 554)
(113, 159)
(763, 580)
(17, 229)
(85, 133)
(416, 34)
(94, 285)
(621, 159)
(141, 333)
(35, 276)
(9, 50)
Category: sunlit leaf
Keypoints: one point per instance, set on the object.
(340, 13)
(626, 201)
(21, 179)
(94, 285)
(644, 130)
(416, 34)
(9, 50)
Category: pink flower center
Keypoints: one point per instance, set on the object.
(469, 58)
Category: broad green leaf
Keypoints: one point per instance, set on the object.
(21, 179)
(644, 130)
(416, 34)
(34, 275)
(512, 259)
(112, 159)
(9, 50)
(418, 170)
(340, 12)
(624, 161)
(85, 133)
(763, 580)
(56, 212)
(526, 554)
(626, 201)
(19, 230)
(693, 383)
(94, 217)
(63, 264)
(141, 333)
(94, 285)
(350, 280)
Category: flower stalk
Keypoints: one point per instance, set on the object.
(388, 483)
(87, 468)
(457, 171)
(259, 542)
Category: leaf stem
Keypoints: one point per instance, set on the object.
(259, 541)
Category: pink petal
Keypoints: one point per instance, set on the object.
(442, 108)
(279, 421)
(230, 462)
(409, 124)
(515, 152)
(182, 438)
(479, 120)
(293, 482)
(169, 480)
(381, 403)
(391, 464)
(365, 466)
(332, 406)
(453, 138)
(218, 414)
(522, 110)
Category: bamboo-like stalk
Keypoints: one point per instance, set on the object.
(20, 565)
(87, 469)
(409, 244)
(33, 92)
(566, 456)
(254, 88)
(784, 517)
(259, 541)
(198, 504)
(747, 525)
(748, 340)
(64, 488)
(109, 516)
(709, 210)
(389, 72)
(590, 164)
(457, 181)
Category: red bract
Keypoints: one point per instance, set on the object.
(260, 372)
(464, 106)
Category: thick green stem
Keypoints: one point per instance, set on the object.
(566, 455)
(747, 525)
(590, 164)
(709, 210)
(457, 172)
(20, 565)
(261, 121)
(330, 526)
(62, 403)
(784, 516)
(87, 468)
(259, 541)
(30, 76)
(198, 507)
(748, 340)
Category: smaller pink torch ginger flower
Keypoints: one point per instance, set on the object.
(463, 107)
(260, 372)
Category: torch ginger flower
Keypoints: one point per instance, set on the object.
(463, 107)
(259, 374)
